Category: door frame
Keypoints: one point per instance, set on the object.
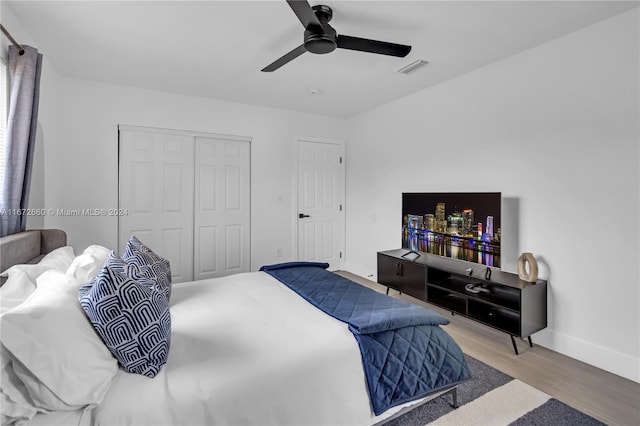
(296, 186)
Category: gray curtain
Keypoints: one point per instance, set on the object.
(24, 72)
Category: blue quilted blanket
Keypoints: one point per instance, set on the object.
(406, 355)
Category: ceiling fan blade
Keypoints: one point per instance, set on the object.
(305, 14)
(372, 46)
(286, 58)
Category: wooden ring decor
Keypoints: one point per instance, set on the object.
(527, 268)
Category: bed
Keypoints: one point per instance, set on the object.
(247, 349)
(29, 247)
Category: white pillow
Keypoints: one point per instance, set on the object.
(15, 404)
(59, 259)
(21, 281)
(88, 264)
(55, 350)
(16, 290)
(98, 251)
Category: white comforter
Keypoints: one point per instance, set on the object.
(246, 350)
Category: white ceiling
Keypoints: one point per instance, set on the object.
(216, 49)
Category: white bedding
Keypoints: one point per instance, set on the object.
(227, 365)
(245, 350)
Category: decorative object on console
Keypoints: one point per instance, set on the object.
(487, 274)
(476, 288)
(527, 268)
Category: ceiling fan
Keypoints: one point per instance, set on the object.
(320, 37)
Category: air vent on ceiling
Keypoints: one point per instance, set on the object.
(413, 66)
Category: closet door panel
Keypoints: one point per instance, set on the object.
(188, 198)
(222, 203)
(206, 250)
(156, 187)
(233, 255)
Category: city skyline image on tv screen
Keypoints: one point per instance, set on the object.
(459, 225)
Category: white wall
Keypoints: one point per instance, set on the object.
(556, 130)
(82, 156)
(77, 137)
(77, 152)
(76, 164)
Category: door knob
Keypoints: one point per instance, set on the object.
(302, 215)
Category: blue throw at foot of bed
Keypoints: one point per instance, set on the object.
(406, 355)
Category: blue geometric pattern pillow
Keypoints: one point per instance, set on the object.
(117, 264)
(146, 264)
(132, 319)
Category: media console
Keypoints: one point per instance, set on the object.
(498, 299)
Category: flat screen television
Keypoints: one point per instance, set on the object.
(459, 225)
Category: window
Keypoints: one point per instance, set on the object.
(3, 117)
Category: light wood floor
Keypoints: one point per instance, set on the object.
(609, 398)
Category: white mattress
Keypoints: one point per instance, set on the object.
(245, 350)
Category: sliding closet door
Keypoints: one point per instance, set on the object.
(187, 196)
(156, 191)
(222, 210)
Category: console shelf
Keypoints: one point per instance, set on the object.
(502, 301)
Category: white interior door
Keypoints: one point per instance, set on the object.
(156, 190)
(321, 202)
(222, 207)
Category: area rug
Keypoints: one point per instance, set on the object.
(494, 398)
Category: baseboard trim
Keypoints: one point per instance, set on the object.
(601, 357)
(612, 361)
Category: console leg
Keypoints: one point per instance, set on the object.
(387, 291)
(530, 342)
(513, 342)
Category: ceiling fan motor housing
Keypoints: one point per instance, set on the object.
(320, 37)
(321, 40)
